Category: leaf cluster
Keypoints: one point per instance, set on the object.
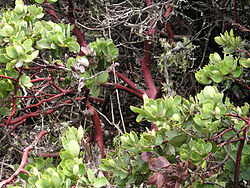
(69, 172)
(226, 68)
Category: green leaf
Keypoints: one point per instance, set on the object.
(216, 57)
(102, 78)
(209, 92)
(52, 1)
(70, 135)
(245, 62)
(25, 81)
(11, 52)
(219, 41)
(80, 133)
(208, 147)
(90, 174)
(104, 167)
(217, 76)
(55, 180)
(158, 140)
(237, 72)
(30, 58)
(19, 64)
(176, 117)
(39, 1)
(100, 182)
(74, 47)
(73, 147)
(20, 7)
(204, 165)
(42, 183)
(43, 44)
(76, 169)
(4, 58)
(27, 44)
(178, 140)
(81, 169)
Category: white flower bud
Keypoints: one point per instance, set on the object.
(83, 61)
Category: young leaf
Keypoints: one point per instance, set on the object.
(100, 182)
(73, 147)
(90, 174)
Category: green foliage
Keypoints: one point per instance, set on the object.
(195, 151)
(228, 67)
(42, 1)
(105, 52)
(101, 53)
(69, 172)
(185, 128)
(22, 37)
(25, 38)
(203, 113)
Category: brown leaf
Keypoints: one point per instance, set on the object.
(159, 163)
(156, 179)
(146, 156)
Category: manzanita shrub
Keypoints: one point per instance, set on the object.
(201, 141)
(27, 44)
(71, 170)
(230, 66)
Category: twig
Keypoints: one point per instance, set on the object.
(24, 159)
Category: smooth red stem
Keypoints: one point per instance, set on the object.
(16, 86)
(168, 27)
(129, 82)
(50, 10)
(98, 128)
(24, 160)
(119, 86)
(13, 79)
(145, 66)
(80, 37)
(49, 99)
(238, 159)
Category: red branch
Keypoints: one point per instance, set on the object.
(50, 10)
(168, 27)
(49, 99)
(119, 86)
(129, 82)
(145, 66)
(13, 79)
(24, 159)
(238, 158)
(222, 133)
(98, 128)
(242, 140)
(247, 121)
(80, 37)
(16, 86)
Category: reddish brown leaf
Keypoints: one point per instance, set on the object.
(146, 156)
(159, 163)
(156, 179)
